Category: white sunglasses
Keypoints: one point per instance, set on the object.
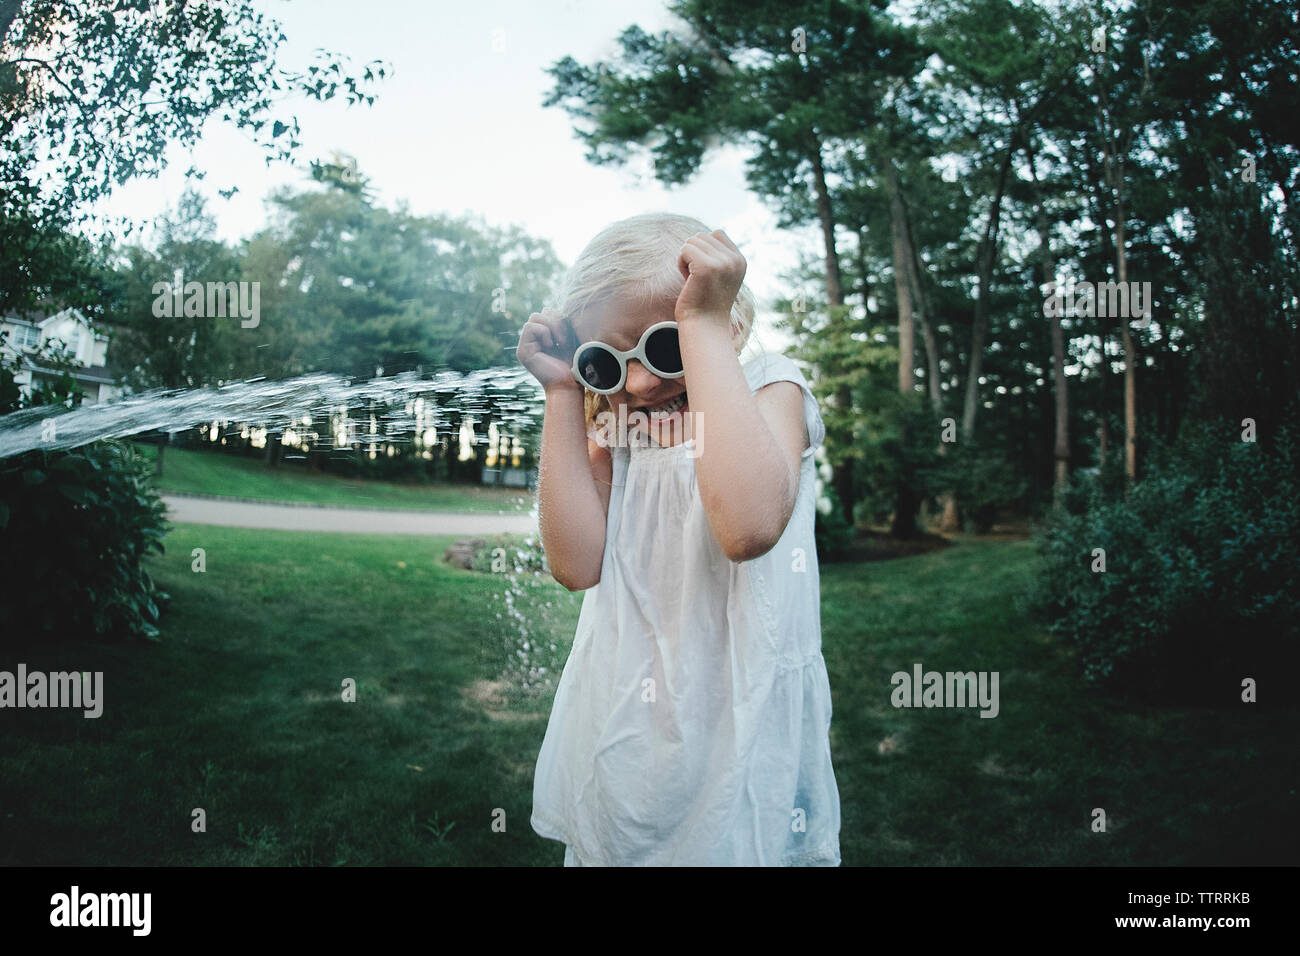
(603, 368)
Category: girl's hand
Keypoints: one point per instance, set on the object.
(714, 270)
(546, 346)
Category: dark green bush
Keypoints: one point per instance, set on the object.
(832, 532)
(982, 480)
(896, 444)
(74, 528)
(1202, 579)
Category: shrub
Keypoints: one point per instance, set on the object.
(74, 528)
(832, 532)
(1202, 568)
(983, 482)
(895, 445)
(527, 556)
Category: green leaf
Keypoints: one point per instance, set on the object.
(79, 494)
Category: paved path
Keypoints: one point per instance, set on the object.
(244, 514)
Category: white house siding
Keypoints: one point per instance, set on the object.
(70, 327)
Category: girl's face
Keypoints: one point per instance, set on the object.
(663, 401)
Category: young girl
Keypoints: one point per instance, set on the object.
(691, 722)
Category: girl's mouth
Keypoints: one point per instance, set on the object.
(673, 405)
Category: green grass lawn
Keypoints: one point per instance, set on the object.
(1180, 786)
(238, 711)
(214, 473)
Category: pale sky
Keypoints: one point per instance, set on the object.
(458, 128)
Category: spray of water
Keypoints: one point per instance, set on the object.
(526, 597)
(527, 609)
(511, 395)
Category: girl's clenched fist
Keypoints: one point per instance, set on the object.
(546, 346)
(714, 270)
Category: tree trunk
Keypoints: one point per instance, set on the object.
(904, 523)
(902, 286)
(950, 519)
(1103, 386)
(985, 259)
(921, 307)
(834, 293)
(842, 478)
(272, 455)
(453, 449)
(1114, 154)
(481, 449)
(979, 328)
(1126, 336)
(1061, 448)
(866, 281)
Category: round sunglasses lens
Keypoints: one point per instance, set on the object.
(598, 368)
(663, 352)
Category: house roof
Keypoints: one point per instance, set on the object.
(45, 313)
(99, 374)
(58, 315)
(36, 323)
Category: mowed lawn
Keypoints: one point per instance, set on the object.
(239, 712)
(214, 473)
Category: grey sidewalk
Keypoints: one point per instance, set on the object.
(287, 517)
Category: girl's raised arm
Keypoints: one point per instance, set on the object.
(571, 508)
(748, 468)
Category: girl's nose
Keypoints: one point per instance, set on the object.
(640, 380)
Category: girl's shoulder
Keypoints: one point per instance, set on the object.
(768, 367)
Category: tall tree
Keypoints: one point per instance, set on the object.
(1061, 393)
(792, 81)
(1224, 102)
(1005, 60)
(355, 287)
(1122, 91)
(155, 342)
(92, 91)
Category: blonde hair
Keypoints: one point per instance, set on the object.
(635, 260)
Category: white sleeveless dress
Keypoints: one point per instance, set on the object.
(691, 722)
